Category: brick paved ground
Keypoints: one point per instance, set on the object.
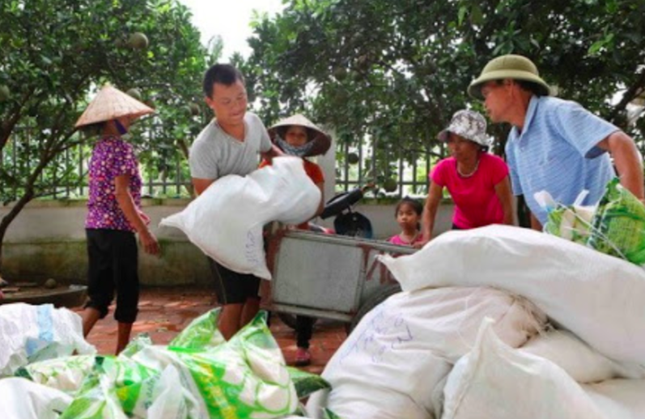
(163, 312)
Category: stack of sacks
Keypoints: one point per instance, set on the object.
(394, 363)
(597, 297)
(579, 360)
(199, 375)
(226, 221)
(592, 368)
(496, 381)
(31, 333)
(531, 386)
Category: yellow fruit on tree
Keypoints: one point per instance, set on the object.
(5, 94)
(138, 40)
(135, 93)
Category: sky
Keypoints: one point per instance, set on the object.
(229, 19)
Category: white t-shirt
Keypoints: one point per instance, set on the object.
(215, 153)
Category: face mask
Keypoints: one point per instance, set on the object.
(298, 151)
(119, 127)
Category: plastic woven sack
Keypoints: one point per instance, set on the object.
(328, 414)
(245, 377)
(497, 381)
(200, 376)
(23, 399)
(619, 225)
(226, 220)
(65, 374)
(139, 342)
(307, 383)
(201, 334)
(172, 401)
(130, 382)
(570, 222)
(30, 333)
(97, 399)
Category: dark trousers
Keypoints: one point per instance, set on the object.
(113, 264)
(232, 287)
(304, 330)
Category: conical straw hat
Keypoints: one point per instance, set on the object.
(321, 138)
(111, 103)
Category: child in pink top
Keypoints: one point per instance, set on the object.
(408, 213)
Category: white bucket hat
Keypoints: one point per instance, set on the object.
(111, 103)
(468, 124)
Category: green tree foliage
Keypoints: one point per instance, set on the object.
(397, 70)
(57, 53)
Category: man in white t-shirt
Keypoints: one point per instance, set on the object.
(232, 143)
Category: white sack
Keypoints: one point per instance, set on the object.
(496, 381)
(30, 333)
(579, 360)
(619, 399)
(597, 297)
(65, 373)
(22, 399)
(171, 400)
(392, 362)
(226, 220)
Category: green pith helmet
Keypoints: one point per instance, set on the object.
(508, 67)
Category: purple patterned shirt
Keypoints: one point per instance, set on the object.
(111, 157)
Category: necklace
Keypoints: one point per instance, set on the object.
(402, 236)
(469, 174)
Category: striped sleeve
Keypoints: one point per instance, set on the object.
(512, 168)
(580, 128)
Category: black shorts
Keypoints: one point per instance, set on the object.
(232, 287)
(113, 263)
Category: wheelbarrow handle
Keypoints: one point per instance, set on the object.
(341, 202)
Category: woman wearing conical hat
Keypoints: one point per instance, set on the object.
(114, 213)
(297, 136)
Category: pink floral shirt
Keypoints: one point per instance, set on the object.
(111, 157)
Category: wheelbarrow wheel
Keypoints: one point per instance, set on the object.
(374, 299)
(290, 319)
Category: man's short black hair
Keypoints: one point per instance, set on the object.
(528, 86)
(224, 74)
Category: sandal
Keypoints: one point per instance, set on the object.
(303, 357)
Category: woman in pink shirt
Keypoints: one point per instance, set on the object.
(477, 180)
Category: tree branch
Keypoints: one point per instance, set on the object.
(636, 89)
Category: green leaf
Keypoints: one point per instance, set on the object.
(476, 15)
(461, 14)
(596, 46)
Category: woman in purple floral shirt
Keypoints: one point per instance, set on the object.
(114, 214)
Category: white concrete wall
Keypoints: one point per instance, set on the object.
(46, 221)
(47, 239)
(384, 223)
